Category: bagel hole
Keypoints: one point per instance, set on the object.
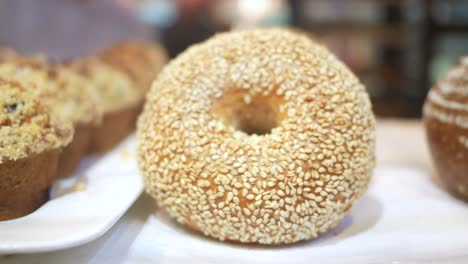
(251, 115)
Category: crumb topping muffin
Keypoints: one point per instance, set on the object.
(446, 121)
(141, 61)
(116, 91)
(68, 94)
(26, 126)
(82, 105)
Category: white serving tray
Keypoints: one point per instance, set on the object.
(81, 208)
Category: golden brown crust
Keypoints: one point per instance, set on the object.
(24, 183)
(27, 126)
(446, 120)
(203, 161)
(141, 61)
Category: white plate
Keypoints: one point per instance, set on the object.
(82, 208)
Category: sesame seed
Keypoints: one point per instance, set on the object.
(246, 211)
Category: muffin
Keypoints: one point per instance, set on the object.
(79, 104)
(446, 122)
(141, 61)
(68, 94)
(118, 98)
(31, 137)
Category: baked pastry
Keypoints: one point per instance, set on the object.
(446, 122)
(79, 103)
(257, 136)
(118, 98)
(68, 94)
(30, 141)
(141, 61)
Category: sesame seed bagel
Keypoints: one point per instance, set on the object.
(446, 120)
(257, 136)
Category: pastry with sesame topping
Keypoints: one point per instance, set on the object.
(68, 94)
(446, 121)
(257, 136)
(118, 98)
(30, 141)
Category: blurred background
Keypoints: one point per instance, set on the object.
(397, 48)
